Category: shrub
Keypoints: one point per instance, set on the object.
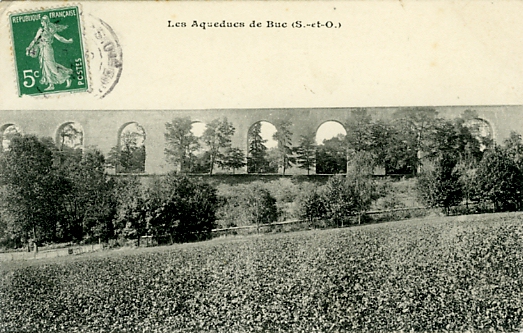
(130, 219)
(499, 180)
(187, 210)
(311, 204)
(250, 204)
(348, 196)
(440, 186)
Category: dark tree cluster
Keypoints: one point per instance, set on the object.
(184, 148)
(53, 195)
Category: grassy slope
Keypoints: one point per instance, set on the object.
(435, 274)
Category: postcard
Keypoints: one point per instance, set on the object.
(289, 116)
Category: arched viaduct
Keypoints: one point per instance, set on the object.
(101, 128)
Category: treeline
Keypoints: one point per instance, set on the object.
(51, 195)
(55, 194)
(399, 145)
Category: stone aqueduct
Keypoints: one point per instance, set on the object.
(101, 128)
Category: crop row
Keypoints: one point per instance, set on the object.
(432, 275)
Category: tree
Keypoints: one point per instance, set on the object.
(479, 128)
(306, 152)
(331, 156)
(233, 158)
(201, 163)
(440, 186)
(70, 136)
(311, 204)
(359, 132)
(256, 161)
(346, 196)
(183, 208)
(283, 136)
(129, 157)
(272, 160)
(31, 190)
(452, 138)
(9, 133)
(250, 204)
(415, 124)
(499, 181)
(89, 203)
(513, 146)
(181, 143)
(392, 149)
(217, 137)
(130, 220)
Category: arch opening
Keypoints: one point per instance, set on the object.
(129, 155)
(199, 159)
(9, 131)
(481, 129)
(70, 136)
(262, 154)
(331, 155)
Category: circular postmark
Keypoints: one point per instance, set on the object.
(104, 55)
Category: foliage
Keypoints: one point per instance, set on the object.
(201, 163)
(88, 203)
(441, 185)
(331, 156)
(283, 136)
(249, 204)
(217, 137)
(359, 131)
(130, 156)
(131, 218)
(414, 127)
(499, 181)
(184, 208)
(232, 159)
(181, 143)
(311, 204)
(306, 152)
(70, 137)
(346, 196)
(31, 190)
(513, 146)
(437, 275)
(272, 160)
(361, 163)
(256, 159)
(452, 138)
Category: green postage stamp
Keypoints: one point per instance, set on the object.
(48, 51)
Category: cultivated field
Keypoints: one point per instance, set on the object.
(437, 274)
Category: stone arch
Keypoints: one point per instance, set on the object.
(482, 130)
(70, 135)
(259, 154)
(8, 131)
(199, 160)
(334, 122)
(198, 127)
(331, 158)
(130, 148)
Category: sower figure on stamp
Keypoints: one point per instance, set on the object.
(41, 46)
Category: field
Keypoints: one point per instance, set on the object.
(436, 274)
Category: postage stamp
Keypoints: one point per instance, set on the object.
(48, 51)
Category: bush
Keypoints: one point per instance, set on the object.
(311, 204)
(184, 208)
(499, 181)
(250, 204)
(440, 185)
(348, 196)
